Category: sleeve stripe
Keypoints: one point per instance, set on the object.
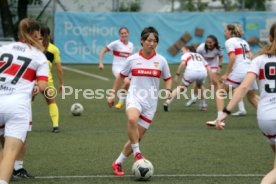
(45, 78)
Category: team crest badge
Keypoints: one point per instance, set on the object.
(156, 64)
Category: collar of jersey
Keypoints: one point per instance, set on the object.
(124, 42)
(147, 58)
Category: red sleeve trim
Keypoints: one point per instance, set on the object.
(167, 79)
(45, 78)
(253, 73)
(123, 75)
(231, 52)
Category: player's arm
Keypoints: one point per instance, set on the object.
(179, 70)
(229, 67)
(240, 92)
(101, 66)
(42, 85)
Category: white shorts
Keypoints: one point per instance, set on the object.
(15, 125)
(235, 79)
(146, 113)
(116, 69)
(268, 128)
(190, 76)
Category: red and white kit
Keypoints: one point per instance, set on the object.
(211, 56)
(20, 66)
(241, 50)
(195, 68)
(121, 51)
(264, 67)
(144, 86)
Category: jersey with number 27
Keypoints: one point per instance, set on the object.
(20, 66)
(264, 67)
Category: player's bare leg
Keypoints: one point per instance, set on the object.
(175, 92)
(194, 95)
(123, 93)
(11, 149)
(270, 178)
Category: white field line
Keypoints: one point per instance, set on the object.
(85, 73)
(157, 175)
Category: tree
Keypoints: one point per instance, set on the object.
(191, 5)
(6, 17)
(9, 28)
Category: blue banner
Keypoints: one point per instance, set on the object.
(81, 36)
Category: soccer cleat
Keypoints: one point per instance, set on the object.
(191, 102)
(117, 168)
(138, 156)
(56, 130)
(166, 107)
(239, 113)
(213, 123)
(21, 173)
(203, 107)
(119, 105)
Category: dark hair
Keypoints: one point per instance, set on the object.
(191, 48)
(121, 28)
(45, 34)
(146, 32)
(271, 48)
(214, 38)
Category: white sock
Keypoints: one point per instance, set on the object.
(121, 158)
(193, 97)
(3, 182)
(220, 113)
(241, 106)
(135, 148)
(18, 164)
(122, 97)
(169, 101)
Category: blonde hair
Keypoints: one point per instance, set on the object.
(271, 48)
(26, 28)
(236, 30)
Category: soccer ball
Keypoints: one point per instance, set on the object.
(142, 169)
(76, 109)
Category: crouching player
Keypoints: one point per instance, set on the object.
(196, 71)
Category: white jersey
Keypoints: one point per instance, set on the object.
(265, 68)
(20, 66)
(194, 62)
(120, 51)
(211, 56)
(146, 73)
(241, 50)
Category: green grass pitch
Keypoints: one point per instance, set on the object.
(179, 144)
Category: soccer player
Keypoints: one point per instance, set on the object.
(211, 52)
(121, 49)
(196, 70)
(239, 61)
(146, 68)
(53, 55)
(263, 67)
(21, 64)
